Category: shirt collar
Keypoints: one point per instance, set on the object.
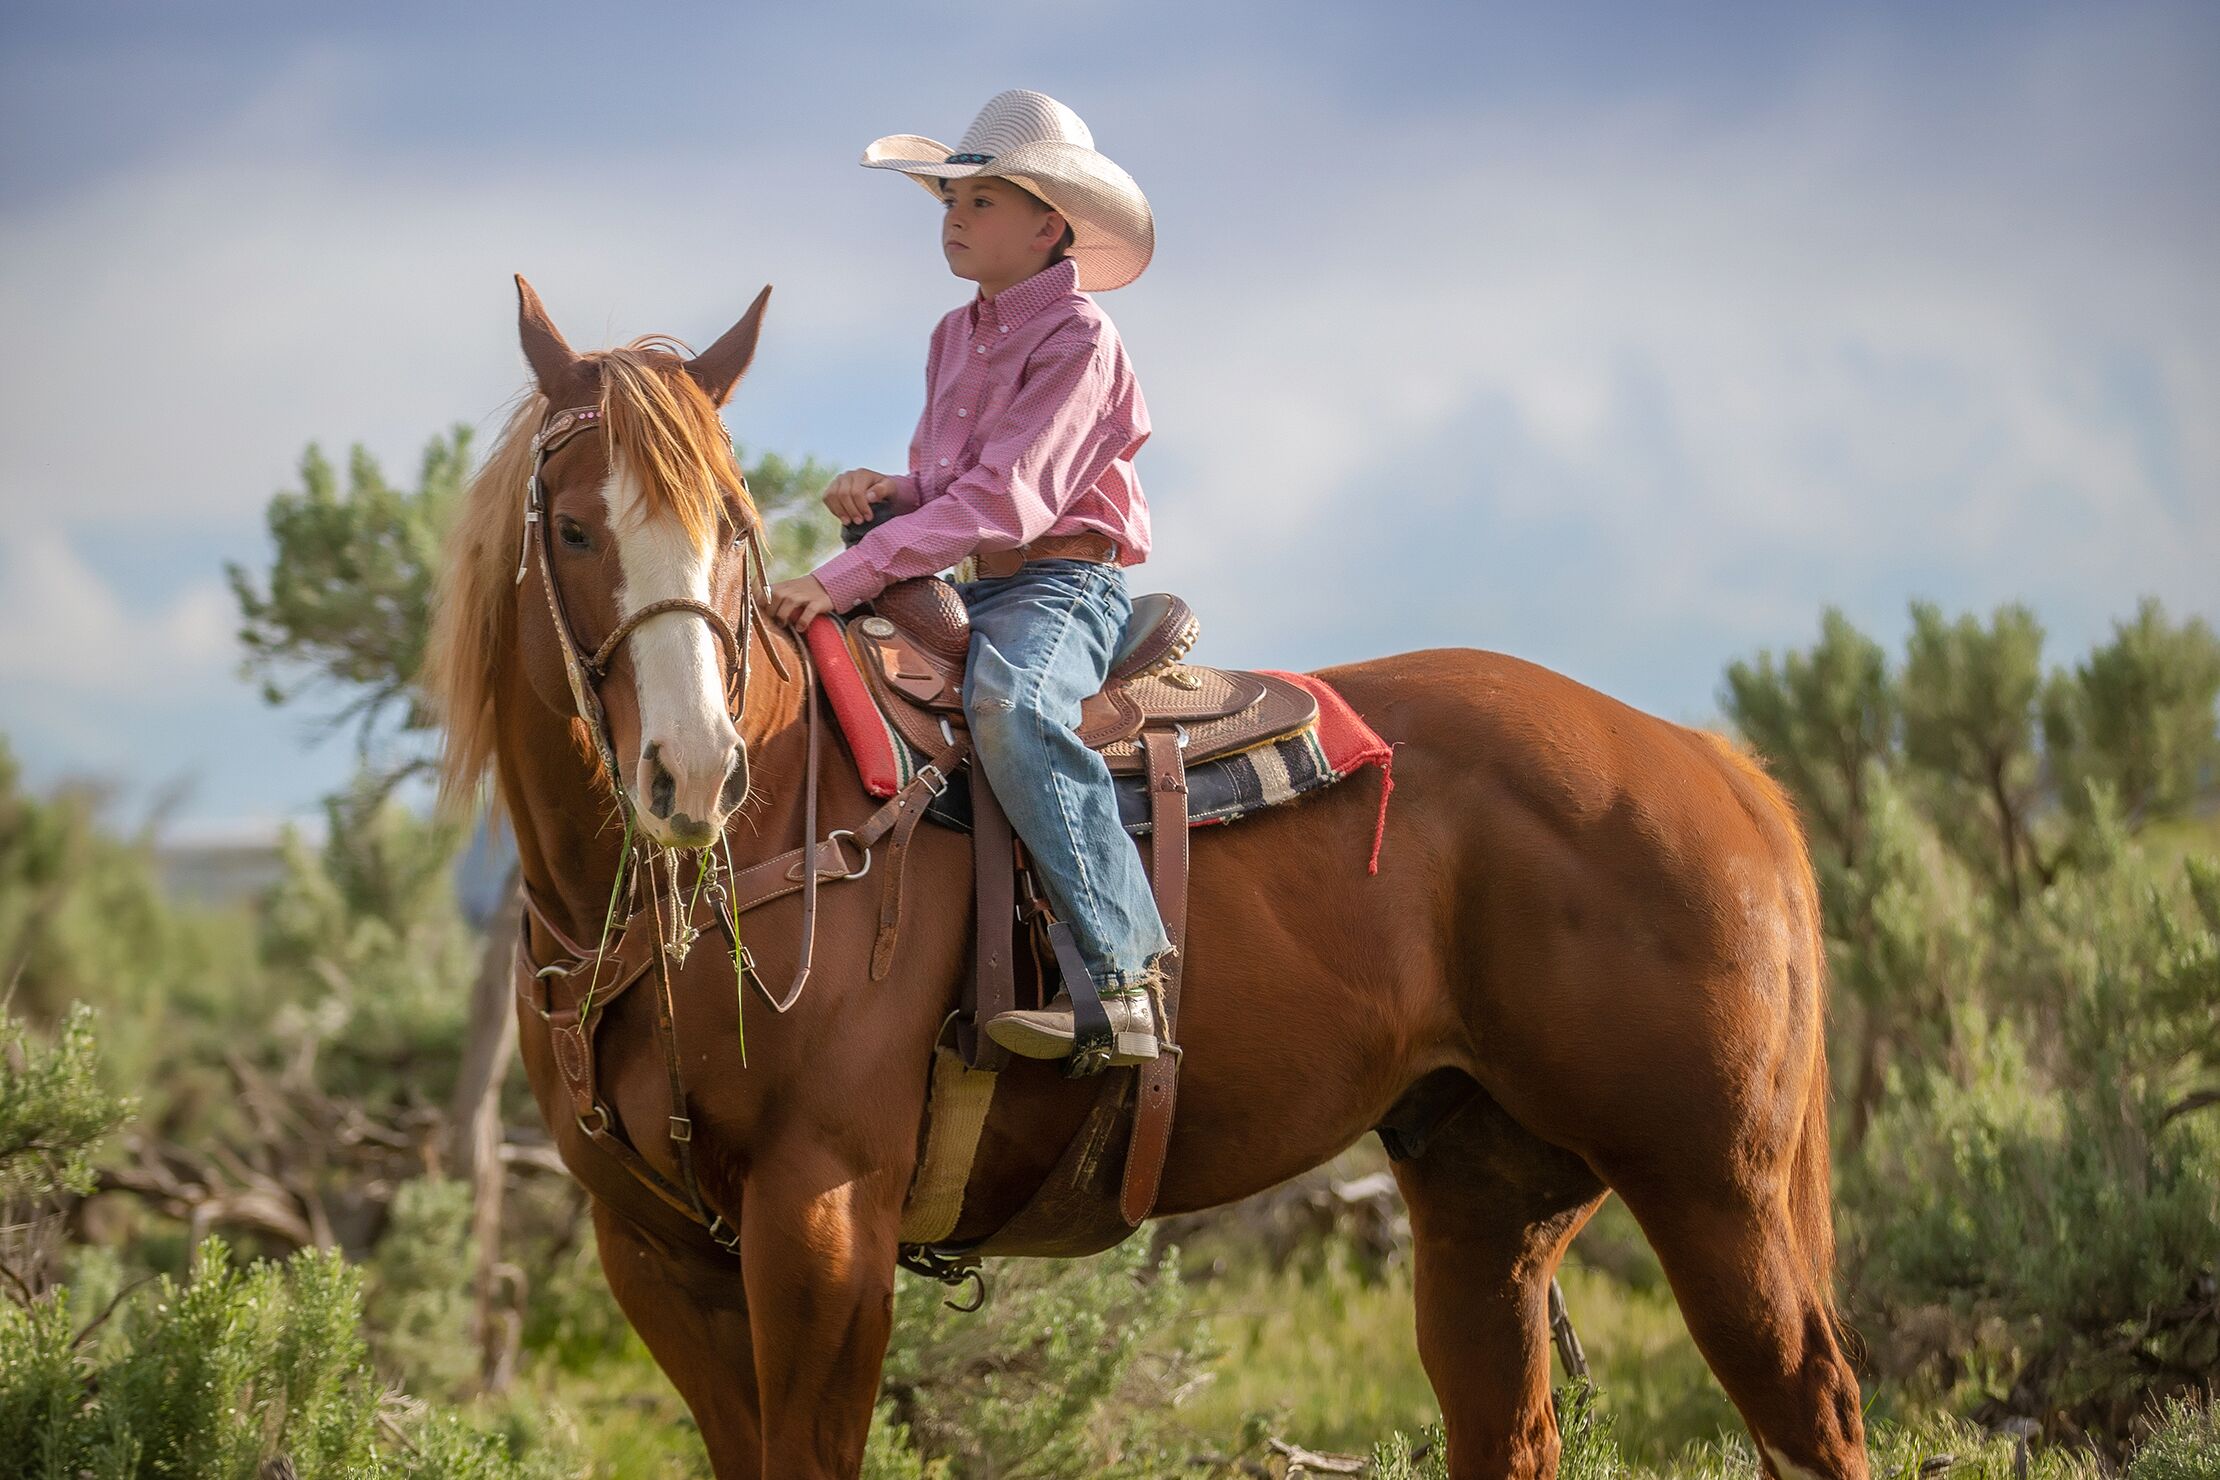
(1020, 301)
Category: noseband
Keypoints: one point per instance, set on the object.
(587, 673)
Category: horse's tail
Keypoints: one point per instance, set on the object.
(1811, 1199)
(1810, 1169)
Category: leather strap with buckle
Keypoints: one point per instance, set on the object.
(1086, 545)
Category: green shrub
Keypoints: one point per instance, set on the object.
(2184, 1446)
(209, 1379)
(1400, 1457)
(53, 1108)
(367, 943)
(419, 1304)
(1070, 1369)
(2034, 1191)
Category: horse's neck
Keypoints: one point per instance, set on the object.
(569, 834)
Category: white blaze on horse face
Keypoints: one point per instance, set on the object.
(686, 737)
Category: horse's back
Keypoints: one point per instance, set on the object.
(1616, 884)
(1524, 739)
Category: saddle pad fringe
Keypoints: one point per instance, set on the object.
(1349, 743)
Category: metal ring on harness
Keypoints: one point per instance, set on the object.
(841, 832)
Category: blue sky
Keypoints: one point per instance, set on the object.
(1620, 337)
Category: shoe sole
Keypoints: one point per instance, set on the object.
(1030, 1041)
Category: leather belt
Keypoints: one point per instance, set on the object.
(1086, 545)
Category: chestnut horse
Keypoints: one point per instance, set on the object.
(1599, 929)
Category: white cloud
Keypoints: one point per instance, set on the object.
(70, 630)
(1841, 332)
(250, 288)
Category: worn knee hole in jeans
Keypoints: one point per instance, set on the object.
(993, 704)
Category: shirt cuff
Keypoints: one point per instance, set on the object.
(907, 494)
(849, 579)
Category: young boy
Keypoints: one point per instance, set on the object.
(1024, 458)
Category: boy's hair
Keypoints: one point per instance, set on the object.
(1063, 245)
(1056, 253)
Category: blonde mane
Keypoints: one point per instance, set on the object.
(668, 433)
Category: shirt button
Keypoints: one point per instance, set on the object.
(960, 411)
(944, 462)
(978, 349)
(1003, 330)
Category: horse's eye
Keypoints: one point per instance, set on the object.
(573, 533)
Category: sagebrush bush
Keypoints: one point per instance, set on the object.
(213, 1377)
(1068, 1370)
(53, 1108)
(419, 1302)
(2037, 1184)
(366, 940)
(2185, 1445)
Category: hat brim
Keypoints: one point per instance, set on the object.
(1113, 229)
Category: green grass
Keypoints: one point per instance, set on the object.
(1333, 1360)
(618, 1416)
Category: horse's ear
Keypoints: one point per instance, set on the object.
(544, 350)
(718, 368)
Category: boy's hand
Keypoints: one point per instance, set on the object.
(851, 495)
(800, 602)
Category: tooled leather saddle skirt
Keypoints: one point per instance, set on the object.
(912, 648)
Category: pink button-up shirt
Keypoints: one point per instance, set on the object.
(1032, 417)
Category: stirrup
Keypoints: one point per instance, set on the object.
(1119, 1050)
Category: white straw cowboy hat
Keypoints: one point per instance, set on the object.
(1032, 139)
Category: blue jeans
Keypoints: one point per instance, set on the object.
(1041, 641)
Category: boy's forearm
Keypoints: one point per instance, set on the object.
(927, 540)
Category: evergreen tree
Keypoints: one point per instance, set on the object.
(1969, 696)
(348, 604)
(2137, 716)
(1823, 719)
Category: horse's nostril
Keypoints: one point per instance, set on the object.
(662, 786)
(736, 780)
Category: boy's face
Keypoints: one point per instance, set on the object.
(994, 233)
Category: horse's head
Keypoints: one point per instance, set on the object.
(606, 544)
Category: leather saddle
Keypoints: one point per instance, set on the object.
(913, 645)
(1154, 715)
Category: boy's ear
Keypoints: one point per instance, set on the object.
(717, 369)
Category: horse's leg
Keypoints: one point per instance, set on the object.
(1492, 1209)
(689, 1310)
(1760, 1319)
(817, 1246)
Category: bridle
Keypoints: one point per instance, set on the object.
(570, 1010)
(587, 673)
(738, 890)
